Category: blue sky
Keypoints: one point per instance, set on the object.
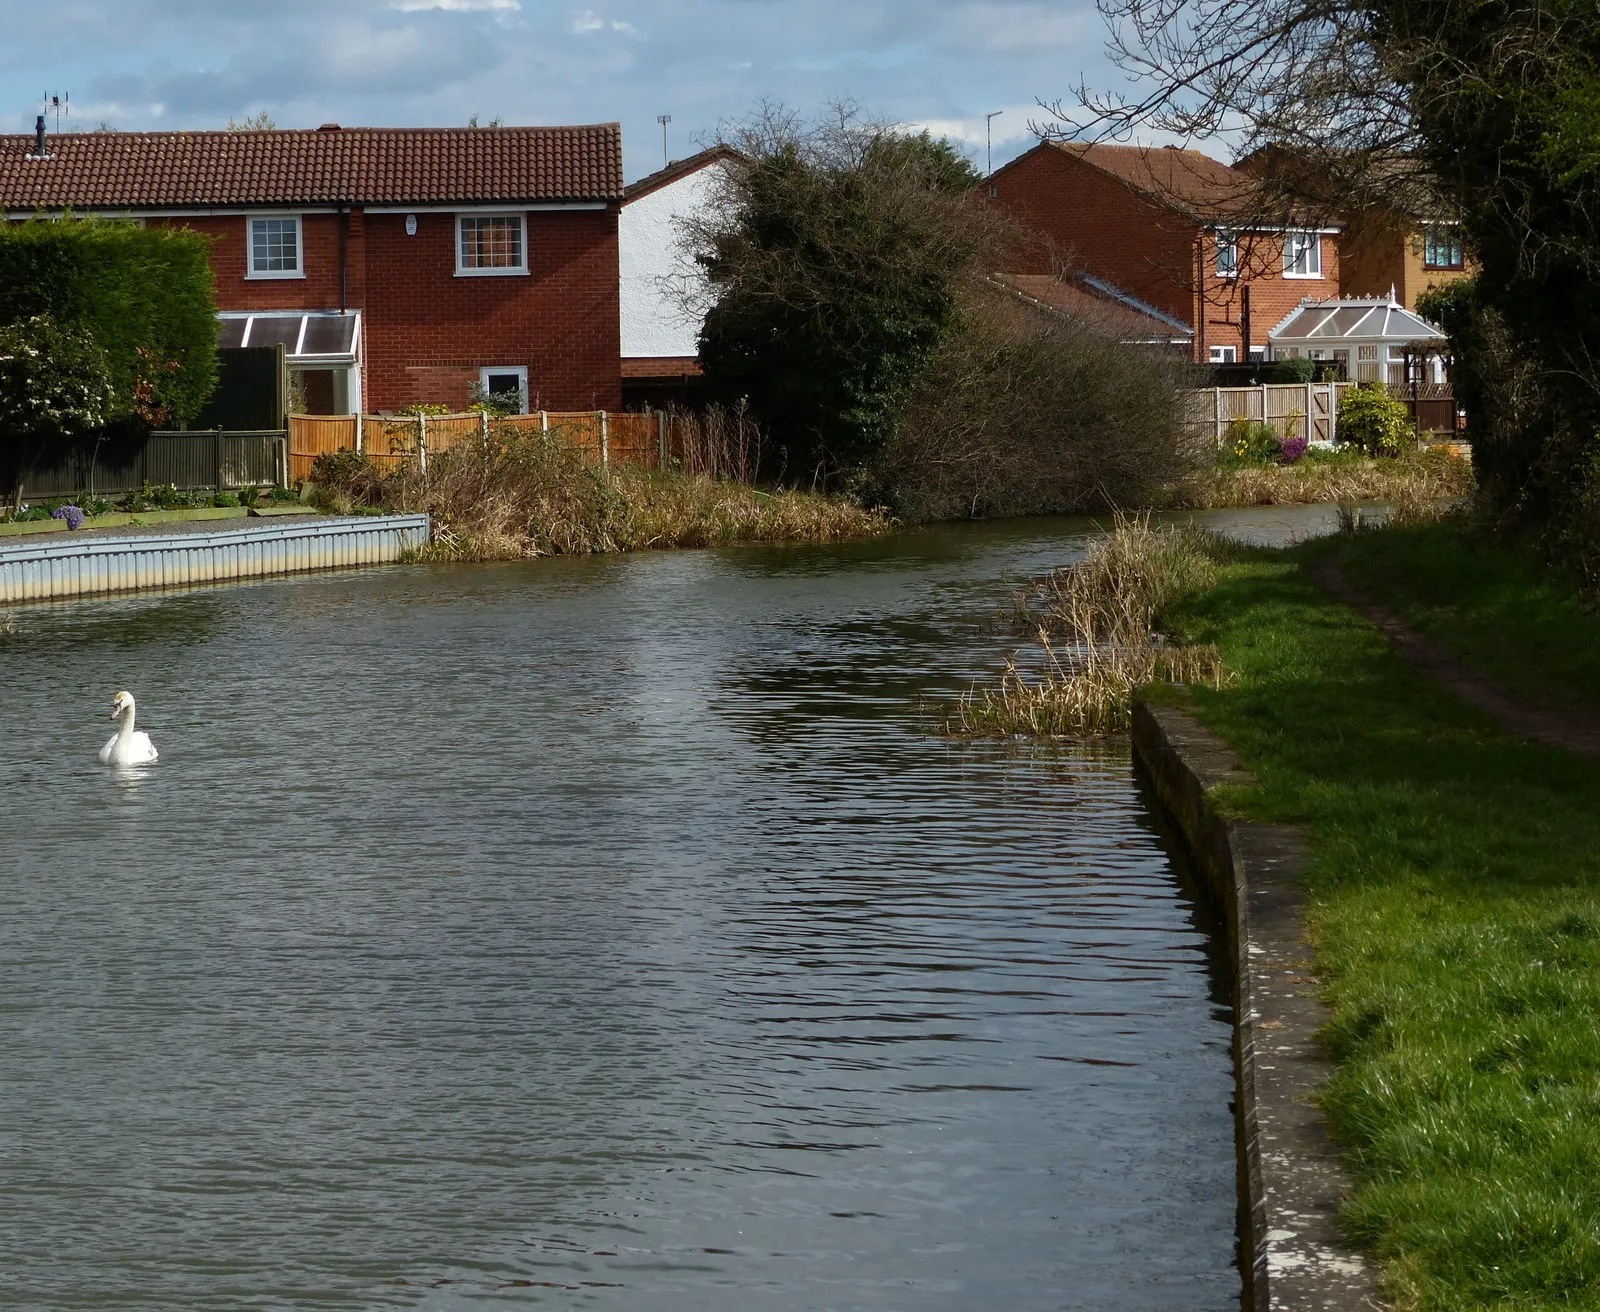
(142, 64)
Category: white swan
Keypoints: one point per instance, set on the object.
(126, 747)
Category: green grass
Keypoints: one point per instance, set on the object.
(1500, 609)
(1455, 894)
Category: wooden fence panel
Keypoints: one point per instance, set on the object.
(389, 441)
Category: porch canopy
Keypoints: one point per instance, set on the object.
(1371, 337)
(311, 339)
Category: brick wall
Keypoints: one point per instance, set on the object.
(428, 332)
(1094, 222)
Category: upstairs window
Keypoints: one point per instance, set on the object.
(1441, 247)
(1227, 254)
(491, 244)
(1302, 255)
(275, 248)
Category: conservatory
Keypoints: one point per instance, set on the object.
(1374, 339)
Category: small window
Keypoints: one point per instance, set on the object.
(1441, 247)
(1302, 255)
(275, 248)
(1227, 254)
(507, 385)
(1224, 355)
(491, 244)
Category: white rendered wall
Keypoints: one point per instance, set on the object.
(650, 254)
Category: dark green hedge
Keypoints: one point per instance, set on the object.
(144, 294)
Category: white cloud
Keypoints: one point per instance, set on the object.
(589, 21)
(454, 6)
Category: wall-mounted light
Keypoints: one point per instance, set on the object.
(411, 225)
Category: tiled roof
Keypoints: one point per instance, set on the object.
(360, 166)
(680, 168)
(1111, 311)
(1168, 174)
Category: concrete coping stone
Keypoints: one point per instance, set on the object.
(1292, 1182)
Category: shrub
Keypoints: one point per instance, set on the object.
(351, 474)
(1294, 369)
(1251, 441)
(1293, 449)
(72, 514)
(1374, 421)
(225, 499)
(54, 383)
(144, 295)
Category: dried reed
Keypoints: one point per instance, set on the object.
(1094, 629)
(1423, 476)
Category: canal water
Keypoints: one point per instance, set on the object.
(607, 933)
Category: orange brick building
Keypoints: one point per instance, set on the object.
(396, 265)
(1168, 229)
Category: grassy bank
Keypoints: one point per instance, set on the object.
(524, 496)
(1345, 475)
(1456, 907)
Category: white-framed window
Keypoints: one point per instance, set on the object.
(491, 244)
(1227, 254)
(275, 247)
(507, 384)
(1302, 254)
(1224, 355)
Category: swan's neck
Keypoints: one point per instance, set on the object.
(126, 732)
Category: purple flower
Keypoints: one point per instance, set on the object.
(1293, 449)
(71, 514)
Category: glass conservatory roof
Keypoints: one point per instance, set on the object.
(1355, 320)
(321, 336)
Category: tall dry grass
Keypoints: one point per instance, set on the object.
(1094, 631)
(524, 494)
(1418, 477)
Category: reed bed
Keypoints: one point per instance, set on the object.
(521, 495)
(1420, 476)
(1094, 629)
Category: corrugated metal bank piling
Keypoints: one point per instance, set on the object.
(59, 566)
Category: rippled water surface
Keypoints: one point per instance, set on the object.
(592, 933)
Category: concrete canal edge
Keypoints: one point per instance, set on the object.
(1291, 1181)
(59, 567)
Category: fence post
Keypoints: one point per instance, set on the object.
(361, 433)
(1333, 412)
(661, 439)
(1216, 397)
(483, 428)
(544, 421)
(1264, 403)
(216, 459)
(605, 440)
(422, 443)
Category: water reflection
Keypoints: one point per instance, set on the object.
(599, 933)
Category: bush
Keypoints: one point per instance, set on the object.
(143, 294)
(1293, 449)
(225, 500)
(54, 383)
(1251, 442)
(1019, 414)
(1374, 421)
(1294, 369)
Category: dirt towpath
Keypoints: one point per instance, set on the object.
(1577, 731)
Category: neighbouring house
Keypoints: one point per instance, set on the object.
(1084, 299)
(1374, 339)
(1398, 237)
(397, 266)
(660, 327)
(1171, 229)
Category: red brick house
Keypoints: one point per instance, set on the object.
(397, 265)
(1171, 229)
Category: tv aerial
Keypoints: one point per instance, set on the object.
(59, 104)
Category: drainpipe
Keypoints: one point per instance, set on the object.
(344, 239)
(1244, 320)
